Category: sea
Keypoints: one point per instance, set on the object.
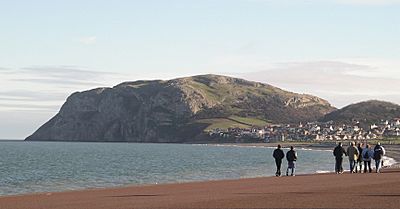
(37, 167)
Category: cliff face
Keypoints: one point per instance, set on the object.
(167, 111)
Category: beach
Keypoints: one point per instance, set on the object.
(302, 191)
(305, 191)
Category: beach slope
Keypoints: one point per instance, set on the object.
(306, 191)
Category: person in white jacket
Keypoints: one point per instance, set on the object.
(367, 155)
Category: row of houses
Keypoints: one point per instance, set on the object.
(313, 131)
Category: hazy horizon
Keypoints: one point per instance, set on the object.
(344, 51)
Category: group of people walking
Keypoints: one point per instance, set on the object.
(358, 156)
(291, 157)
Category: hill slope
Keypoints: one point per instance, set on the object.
(368, 112)
(175, 110)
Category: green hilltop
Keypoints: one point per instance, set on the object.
(367, 112)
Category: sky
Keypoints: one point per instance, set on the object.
(344, 51)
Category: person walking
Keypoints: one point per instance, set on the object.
(359, 159)
(352, 153)
(291, 157)
(379, 152)
(338, 152)
(367, 154)
(278, 155)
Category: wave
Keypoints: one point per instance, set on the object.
(321, 171)
(388, 161)
(234, 145)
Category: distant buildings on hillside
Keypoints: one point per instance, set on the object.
(312, 131)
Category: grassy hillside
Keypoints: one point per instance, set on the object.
(247, 99)
(249, 121)
(366, 112)
(232, 122)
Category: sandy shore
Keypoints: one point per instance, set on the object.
(306, 191)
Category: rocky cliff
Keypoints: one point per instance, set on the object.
(173, 110)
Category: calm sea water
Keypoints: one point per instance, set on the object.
(27, 167)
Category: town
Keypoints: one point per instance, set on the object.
(311, 131)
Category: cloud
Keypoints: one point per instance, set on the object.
(63, 75)
(29, 95)
(57, 81)
(88, 40)
(45, 88)
(339, 82)
(29, 107)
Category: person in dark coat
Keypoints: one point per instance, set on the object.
(379, 152)
(338, 152)
(291, 157)
(359, 159)
(278, 155)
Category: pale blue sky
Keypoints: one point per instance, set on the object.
(49, 48)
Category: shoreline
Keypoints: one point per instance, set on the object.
(315, 190)
(306, 191)
(391, 153)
